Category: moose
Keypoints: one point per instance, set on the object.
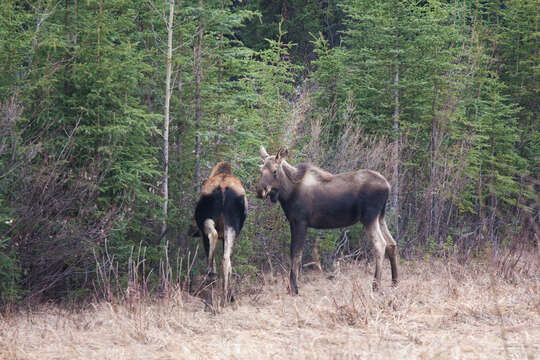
(312, 197)
(220, 214)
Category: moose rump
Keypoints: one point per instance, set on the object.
(220, 214)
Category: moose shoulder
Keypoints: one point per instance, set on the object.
(312, 197)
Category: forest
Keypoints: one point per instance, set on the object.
(112, 114)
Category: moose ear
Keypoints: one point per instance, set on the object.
(263, 153)
(283, 152)
(290, 171)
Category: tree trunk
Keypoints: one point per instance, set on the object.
(181, 128)
(491, 187)
(165, 186)
(217, 153)
(434, 168)
(198, 54)
(395, 152)
(481, 207)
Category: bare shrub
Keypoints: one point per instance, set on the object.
(354, 149)
(517, 263)
(57, 227)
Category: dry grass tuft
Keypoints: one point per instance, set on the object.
(441, 309)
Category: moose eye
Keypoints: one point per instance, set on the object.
(275, 172)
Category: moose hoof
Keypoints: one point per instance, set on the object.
(395, 282)
(375, 286)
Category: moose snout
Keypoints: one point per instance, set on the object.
(261, 192)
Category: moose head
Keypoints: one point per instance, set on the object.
(271, 181)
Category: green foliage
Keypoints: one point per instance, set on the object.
(455, 85)
(453, 91)
(329, 241)
(298, 18)
(10, 274)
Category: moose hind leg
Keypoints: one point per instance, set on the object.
(212, 234)
(379, 246)
(228, 243)
(391, 249)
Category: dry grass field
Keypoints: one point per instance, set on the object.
(440, 310)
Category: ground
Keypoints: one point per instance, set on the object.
(441, 309)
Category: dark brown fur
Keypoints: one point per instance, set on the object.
(311, 197)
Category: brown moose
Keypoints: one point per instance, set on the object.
(312, 197)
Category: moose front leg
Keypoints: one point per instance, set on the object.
(298, 237)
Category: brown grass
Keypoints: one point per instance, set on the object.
(440, 310)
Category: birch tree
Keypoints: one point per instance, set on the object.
(197, 64)
(165, 185)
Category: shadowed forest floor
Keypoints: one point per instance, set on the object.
(440, 310)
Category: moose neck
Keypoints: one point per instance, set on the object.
(286, 173)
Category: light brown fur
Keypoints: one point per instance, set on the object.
(221, 176)
(319, 174)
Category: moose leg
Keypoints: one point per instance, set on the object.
(391, 249)
(379, 246)
(212, 234)
(298, 236)
(228, 243)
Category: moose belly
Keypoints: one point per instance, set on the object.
(329, 212)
